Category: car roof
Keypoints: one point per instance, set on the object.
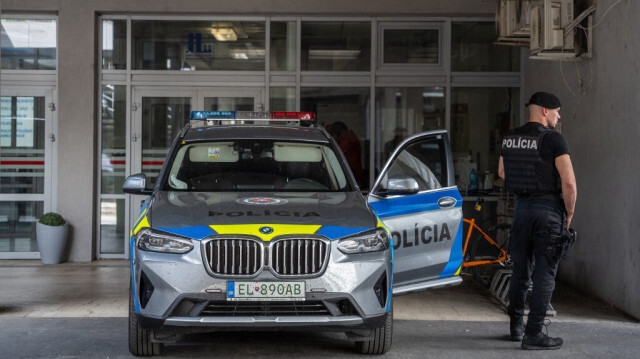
(231, 132)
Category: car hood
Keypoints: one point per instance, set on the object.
(200, 214)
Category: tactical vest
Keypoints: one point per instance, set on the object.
(526, 173)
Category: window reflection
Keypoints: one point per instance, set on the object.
(198, 45)
(473, 49)
(112, 214)
(343, 112)
(283, 46)
(282, 98)
(114, 44)
(336, 46)
(113, 138)
(22, 143)
(411, 46)
(404, 111)
(28, 44)
(480, 117)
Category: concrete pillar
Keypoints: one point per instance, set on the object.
(77, 126)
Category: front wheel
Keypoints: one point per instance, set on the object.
(483, 250)
(381, 341)
(140, 343)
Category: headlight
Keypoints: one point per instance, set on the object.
(371, 241)
(150, 240)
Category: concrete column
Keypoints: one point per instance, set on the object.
(77, 125)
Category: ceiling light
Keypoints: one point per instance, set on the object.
(224, 33)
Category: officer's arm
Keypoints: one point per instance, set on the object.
(501, 168)
(569, 189)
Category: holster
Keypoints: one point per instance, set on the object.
(567, 239)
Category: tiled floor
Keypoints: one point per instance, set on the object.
(100, 289)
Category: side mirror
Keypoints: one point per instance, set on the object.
(136, 184)
(400, 185)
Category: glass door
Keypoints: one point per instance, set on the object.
(157, 116)
(26, 181)
(231, 100)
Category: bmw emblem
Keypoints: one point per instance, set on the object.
(266, 230)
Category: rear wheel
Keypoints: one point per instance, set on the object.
(483, 250)
(140, 343)
(381, 340)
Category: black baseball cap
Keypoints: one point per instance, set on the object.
(544, 99)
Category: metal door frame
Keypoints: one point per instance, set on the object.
(49, 195)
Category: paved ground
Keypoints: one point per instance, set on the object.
(77, 310)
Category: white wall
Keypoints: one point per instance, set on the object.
(600, 122)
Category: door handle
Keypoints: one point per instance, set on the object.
(446, 202)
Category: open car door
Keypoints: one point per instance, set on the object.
(416, 197)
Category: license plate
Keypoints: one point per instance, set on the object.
(271, 291)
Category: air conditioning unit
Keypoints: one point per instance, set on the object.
(512, 22)
(548, 19)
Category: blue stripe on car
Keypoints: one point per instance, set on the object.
(195, 232)
(335, 232)
(414, 204)
(455, 257)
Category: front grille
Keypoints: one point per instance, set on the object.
(234, 256)
(261, 309)
(298, 256)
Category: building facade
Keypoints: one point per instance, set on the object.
(111, 89)
(93, 91)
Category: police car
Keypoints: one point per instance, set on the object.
(256, 223)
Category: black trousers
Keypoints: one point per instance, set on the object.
(535, 258)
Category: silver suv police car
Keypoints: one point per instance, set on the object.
(256, 222)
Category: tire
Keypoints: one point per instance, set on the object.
(381, 342)
(140, 343)
(483, 250)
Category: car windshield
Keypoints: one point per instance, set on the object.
(256, 165)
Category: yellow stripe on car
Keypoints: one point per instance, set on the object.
(254, 229)
(142, 223)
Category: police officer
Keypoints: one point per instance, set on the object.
(535, 163)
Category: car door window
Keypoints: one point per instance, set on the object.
(424, 161)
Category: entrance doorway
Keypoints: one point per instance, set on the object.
(157, 116)
(26, 163)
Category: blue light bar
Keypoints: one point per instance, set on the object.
(213, 115)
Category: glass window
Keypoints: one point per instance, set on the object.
(343, 111)
(404, 111)
(22, 137)
(28, 44)
(336, 46)
(227, 103)
(411, 46)
(256, 165)
(198, 45)
(480, 117)
(282, 98)
(114, 101)
(424, 161)
(18, 225)
(114, 44)
(473, 49)
(112, 212)
(283, 46)
(162, 120)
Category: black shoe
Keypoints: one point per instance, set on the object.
(540, 342)
(516, 327)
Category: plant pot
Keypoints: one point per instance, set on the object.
(52, 242)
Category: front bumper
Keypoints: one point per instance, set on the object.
(173, 290)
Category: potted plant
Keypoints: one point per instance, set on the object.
(51, 234)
